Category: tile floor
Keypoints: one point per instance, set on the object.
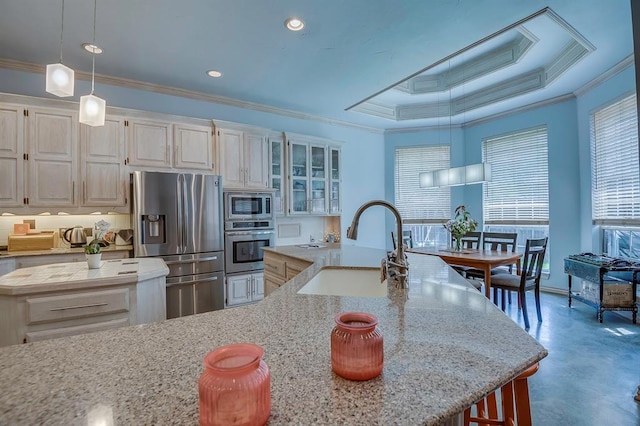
(592, 371)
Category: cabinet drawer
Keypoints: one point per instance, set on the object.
(79, 305)
(36, 336)
(275, 267)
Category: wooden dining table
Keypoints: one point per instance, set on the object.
(481, 259)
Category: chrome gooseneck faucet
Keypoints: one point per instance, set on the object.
(400, 266)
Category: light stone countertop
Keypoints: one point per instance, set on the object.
(4, 254)
(76, 275)
(445, 346)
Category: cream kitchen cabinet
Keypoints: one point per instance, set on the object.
(11, 155)
(244, 288)
(169, 145)
(148, 143)
(314, 176)
(105, 182)
(243, 158)
(277, 172)
(38, 159)
(193, 147)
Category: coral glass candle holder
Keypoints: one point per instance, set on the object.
(234, 388)
(356, 346)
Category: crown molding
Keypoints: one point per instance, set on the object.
(616, 69)
(189, 94)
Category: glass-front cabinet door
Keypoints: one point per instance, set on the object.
(276, 173)
(299, 181)
(335, 179)
(318, 179)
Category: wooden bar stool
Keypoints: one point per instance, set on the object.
(514, 397)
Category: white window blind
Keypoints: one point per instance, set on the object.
(415, 204)
(615, 181)
(518, 193)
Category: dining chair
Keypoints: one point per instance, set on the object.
(407, 239)
(471, 240)
(499, 241)
(529, 278)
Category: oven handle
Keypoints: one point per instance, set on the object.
(231, 233)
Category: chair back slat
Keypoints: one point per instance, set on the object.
(471, 240)
(500, 241)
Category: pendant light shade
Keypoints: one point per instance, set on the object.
(60, 78)
(92, 110)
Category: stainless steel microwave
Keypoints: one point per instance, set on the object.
(248, 206)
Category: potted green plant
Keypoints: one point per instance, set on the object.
(93, 254)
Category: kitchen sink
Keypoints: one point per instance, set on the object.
(346, 282)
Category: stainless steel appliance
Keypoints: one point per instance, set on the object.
(178, 216)
(247, 206)
(76, 236)
(243, 249)
(248, 227)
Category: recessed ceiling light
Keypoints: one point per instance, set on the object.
(294, 24)
(214, 73)
(92, 48)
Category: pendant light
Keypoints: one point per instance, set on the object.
(59, 78)
(92, 108)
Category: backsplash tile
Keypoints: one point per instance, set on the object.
(55, 222)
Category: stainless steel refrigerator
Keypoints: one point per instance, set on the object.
(178, 217)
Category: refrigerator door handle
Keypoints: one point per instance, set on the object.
(179, 212)
(183, 194)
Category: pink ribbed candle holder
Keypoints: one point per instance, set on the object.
(356, 346)
(234, 388)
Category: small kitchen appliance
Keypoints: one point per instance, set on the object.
(75, 236)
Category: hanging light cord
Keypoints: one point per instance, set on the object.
(93, 50)
(61, 31)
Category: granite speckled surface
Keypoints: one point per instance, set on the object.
(76, 275)
(59, 250)
(445, 346)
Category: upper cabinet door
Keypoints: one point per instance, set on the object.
(277, 172)
(256, 156)
(104, 180)
(243, 159)
(11, 156)
(231, 147)
(52, 140)
(335, 179)
(149, 143)
(193, 147)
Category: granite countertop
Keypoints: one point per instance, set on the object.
(445, 346)
(4, 254)
(75, 275)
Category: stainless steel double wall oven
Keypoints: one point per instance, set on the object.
(248, 226)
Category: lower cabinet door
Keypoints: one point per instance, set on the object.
(239, 288)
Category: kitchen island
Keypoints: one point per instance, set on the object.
(48, 301)
(445, 346)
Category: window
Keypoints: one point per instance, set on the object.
(615, 181)
(517, 197)
(518, 193)
(423, 210)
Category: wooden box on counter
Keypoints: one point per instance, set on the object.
(41, 241)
